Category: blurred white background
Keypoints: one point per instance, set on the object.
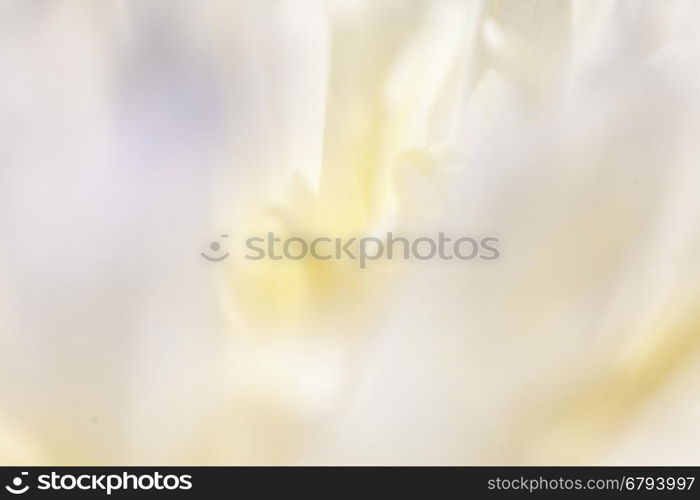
(134, 133)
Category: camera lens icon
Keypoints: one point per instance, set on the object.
(16, 487)
(215, 246)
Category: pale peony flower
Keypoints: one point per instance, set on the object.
(135, 133)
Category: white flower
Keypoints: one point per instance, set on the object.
(137, 132)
